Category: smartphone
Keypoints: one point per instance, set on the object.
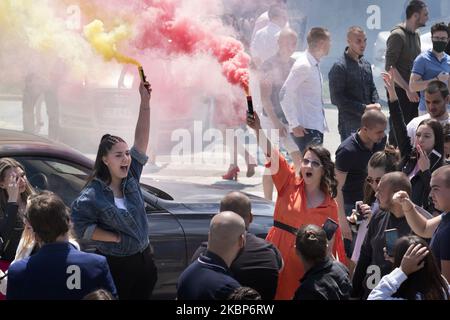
(437, 154)
(330, 226)
(359, 215)
(250, 105)
(391, 237)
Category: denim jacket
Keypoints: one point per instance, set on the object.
(95, 207)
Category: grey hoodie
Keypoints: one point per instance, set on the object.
(402, 48)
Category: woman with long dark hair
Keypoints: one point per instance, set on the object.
(380, 163)
(416, 275)
(304, 199)
(111, 211)
(420, 161)
(14, 191)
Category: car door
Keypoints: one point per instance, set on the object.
(168, 242)
(67, 179)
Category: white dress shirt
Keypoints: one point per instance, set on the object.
(265, 42)
(301, 95)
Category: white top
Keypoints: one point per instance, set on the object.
(414, 123)
(301, 95)
(120, 203)
(389, 285)
(262, 21)
(265, 43)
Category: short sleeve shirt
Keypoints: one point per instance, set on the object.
(440, 243)
(352, 157)
(427, 66)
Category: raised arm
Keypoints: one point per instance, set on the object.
(142, 133)
(404, 142)
(419, 224)
(263, 142)
(394, 46)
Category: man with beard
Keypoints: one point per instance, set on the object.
(372, 264)
(431, 65)
(437, 99)
(402, 48)
(437, 228)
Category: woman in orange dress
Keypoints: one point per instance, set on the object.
(304, 199)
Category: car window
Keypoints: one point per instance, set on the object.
(65, 168)
(64, 178)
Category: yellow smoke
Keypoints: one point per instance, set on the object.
(36, 27)
(106, 43)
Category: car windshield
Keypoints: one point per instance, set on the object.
(62, 177)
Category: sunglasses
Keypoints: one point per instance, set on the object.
(370, 180)
(314, 163)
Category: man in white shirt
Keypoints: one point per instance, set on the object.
(437, 99)
(301, 95)
(265, 43)
(263, 20)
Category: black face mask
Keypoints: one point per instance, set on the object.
(439, 46)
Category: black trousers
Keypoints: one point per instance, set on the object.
(409, 109)
(134, 276)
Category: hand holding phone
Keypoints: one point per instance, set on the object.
(359, 213)
(330, 226)
(391, 236)
(250, 105)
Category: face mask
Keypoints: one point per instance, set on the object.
(439, 46)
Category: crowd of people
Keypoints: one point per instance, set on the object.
(373, 224)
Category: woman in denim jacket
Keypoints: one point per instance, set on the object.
(110, 210)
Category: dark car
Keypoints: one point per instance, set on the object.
(178, 213)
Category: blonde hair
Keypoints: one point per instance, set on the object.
(10, 163)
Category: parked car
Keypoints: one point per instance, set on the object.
(179, 213)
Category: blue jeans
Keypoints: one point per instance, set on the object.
(311, 138)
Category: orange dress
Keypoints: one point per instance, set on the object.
(291, 209)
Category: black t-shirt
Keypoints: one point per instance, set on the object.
(256, 267)
(372, 254)
(440, 242)
(326, 281)
(352, 157)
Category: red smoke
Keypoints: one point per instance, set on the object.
(162, 29)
